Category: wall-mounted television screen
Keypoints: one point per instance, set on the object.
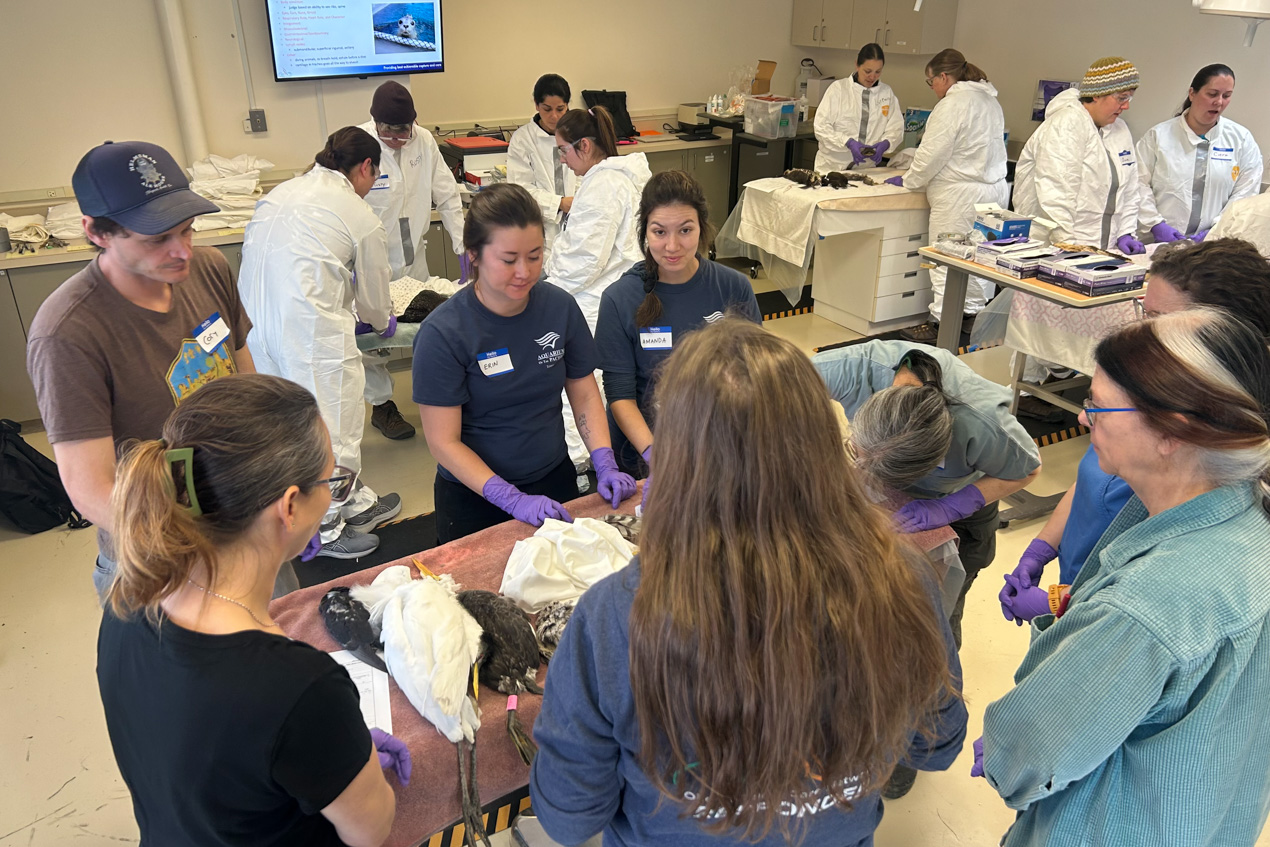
(340, 38)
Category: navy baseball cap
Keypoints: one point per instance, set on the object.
(138, 185)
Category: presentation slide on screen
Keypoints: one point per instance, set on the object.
(312, 40)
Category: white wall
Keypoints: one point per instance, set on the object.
(1019, 42)
(105, 77)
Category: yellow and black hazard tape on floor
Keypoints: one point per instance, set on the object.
(789, 313)
(496, 816)
(1062, 435)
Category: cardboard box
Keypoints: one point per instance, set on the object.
(1025, 264)
(762, 83)
(1051, 269)
(989, 252)
(816, 88)
(999, 223)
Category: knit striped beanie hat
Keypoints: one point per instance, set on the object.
(1109, 76)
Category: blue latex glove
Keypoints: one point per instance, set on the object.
(1164, 232)
(855, 147)
(647, 456)
(1129, 245)
(878, 149)
(392, 753)
(361, 328)
(977, 768)
(1027, 603)
(896, 181)
(465, 268)
(1027, 574)
(312, 548)
(392, 327)
(533, 509)
(613, 485)
(920, 515)
(1200, 236)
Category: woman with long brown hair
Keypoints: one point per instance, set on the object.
(775, 649)
(225, 730)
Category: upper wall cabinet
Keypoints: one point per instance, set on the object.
(851, 24)
(821, 23)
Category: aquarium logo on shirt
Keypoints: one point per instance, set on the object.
(550, 355)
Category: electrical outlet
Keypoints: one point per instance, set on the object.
(257, 118)
(50, 192)
(246, 124)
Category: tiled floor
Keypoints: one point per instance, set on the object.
(59, 784)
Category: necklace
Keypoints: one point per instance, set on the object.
(232, 600)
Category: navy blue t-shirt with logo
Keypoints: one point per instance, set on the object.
(507, 374)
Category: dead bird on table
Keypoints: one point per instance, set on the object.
(550, 626)
(805, 178)
(508, 658)
(628, 525)
(348, 621)
(843, 179)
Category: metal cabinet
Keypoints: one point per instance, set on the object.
(17, 396)
(233, 254)
(33, 285)
(442, 260)
(709, 165)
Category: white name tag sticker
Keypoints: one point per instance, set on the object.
(495, 362)
(656, 338)
(1223, 154)
(1126, 158)
(211, 332)
(381, 183)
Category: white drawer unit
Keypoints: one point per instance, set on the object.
(867, 273)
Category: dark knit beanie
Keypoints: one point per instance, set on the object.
(392, 104)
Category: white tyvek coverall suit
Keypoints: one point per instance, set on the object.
(849, 110)
(534, 162)
(597, 245)
(411, 180)
(1176, 167)
(1085, 180)
(308, 240)
(961, 162)
(1248, 219)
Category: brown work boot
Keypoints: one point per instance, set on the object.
(926, 333)
(389, 421)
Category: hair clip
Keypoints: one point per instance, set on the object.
(185, 456)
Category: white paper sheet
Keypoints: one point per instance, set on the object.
(372, 687)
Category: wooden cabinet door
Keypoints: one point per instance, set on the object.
(868, 22)
(903, 33)
(836, 23)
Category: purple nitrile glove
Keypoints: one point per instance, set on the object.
(878, 149)
(465, 268)
(533, 509)
(392, 752)
(977, 768)
(1200, 236)
(920, 515)
(1027, 603)
(1026, 574)
(647, 456)
(897, 181)
(312, 548)
(1164, 232)
(361, 328)
(391, 330)
(613, 485)
(855, 147)
(1129, 245)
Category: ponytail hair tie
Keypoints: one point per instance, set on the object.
(591, 113)
(183, 457)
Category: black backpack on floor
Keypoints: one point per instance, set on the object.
(31, 494)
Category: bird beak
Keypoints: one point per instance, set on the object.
(476, 670)
(423, 568)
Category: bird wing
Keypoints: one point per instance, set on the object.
(375, 596)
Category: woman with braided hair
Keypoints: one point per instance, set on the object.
(672, 292)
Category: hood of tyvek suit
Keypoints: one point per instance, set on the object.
(966, 87)
(633, 166)
(1066, 99)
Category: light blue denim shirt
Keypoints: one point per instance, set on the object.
(1142, 716)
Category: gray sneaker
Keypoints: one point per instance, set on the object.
(385, 509)
(350, 545)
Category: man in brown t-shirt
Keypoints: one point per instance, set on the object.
(121, 343)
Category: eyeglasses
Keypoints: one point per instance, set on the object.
(1091, 412)
(1142, 311)
(397, 136)
(1124, 97)
(572, 146)
(930, 82)
(341, 483)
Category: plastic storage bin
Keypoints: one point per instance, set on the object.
(771, 117)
